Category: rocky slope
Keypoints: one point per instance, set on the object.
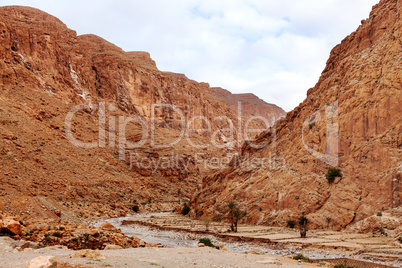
(80, 161)
(40, 52)
(50, 233)
(351, 119)
(251, 105)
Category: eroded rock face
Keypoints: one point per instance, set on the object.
(250, 105)
(46, 70)
(389, 220)
(355, 112)
(39, 52)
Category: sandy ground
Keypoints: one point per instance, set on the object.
(323, 239)
(191, 257)
(319, 244)
(146, 257)
(337, 242)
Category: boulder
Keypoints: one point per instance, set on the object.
(40, 262)
(10, 226)
(107, 227)
(93, 232)
(58, 213)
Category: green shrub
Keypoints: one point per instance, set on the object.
(291, 224)
(332, 174)
(135, 208)
(382, 231)
(56, 234)
(400, 239)
(207, 242)
(379, 214)
(301, 257)
(185, 209)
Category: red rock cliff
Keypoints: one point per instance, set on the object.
(251, 105)
(45, 71)
(351, 119)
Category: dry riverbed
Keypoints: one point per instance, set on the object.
(319, 244)
(138, 257)
(252, 246)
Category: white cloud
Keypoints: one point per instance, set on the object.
(276, 49)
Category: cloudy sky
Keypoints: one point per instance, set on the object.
(273, 48)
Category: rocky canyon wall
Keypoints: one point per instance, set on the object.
(351, 120)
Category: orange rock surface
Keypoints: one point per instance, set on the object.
(250, 105)
(351, 119)
(46, 70)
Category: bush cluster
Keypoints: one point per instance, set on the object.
(332, 174)
(207, 242)
(301, 257)
(291, 223)
(185, 209)
(56, 234)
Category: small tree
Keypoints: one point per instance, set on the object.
(185, 209)
(332, 174)
(303, 221)
(235, 214)
(207, 222)
(328, 221)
